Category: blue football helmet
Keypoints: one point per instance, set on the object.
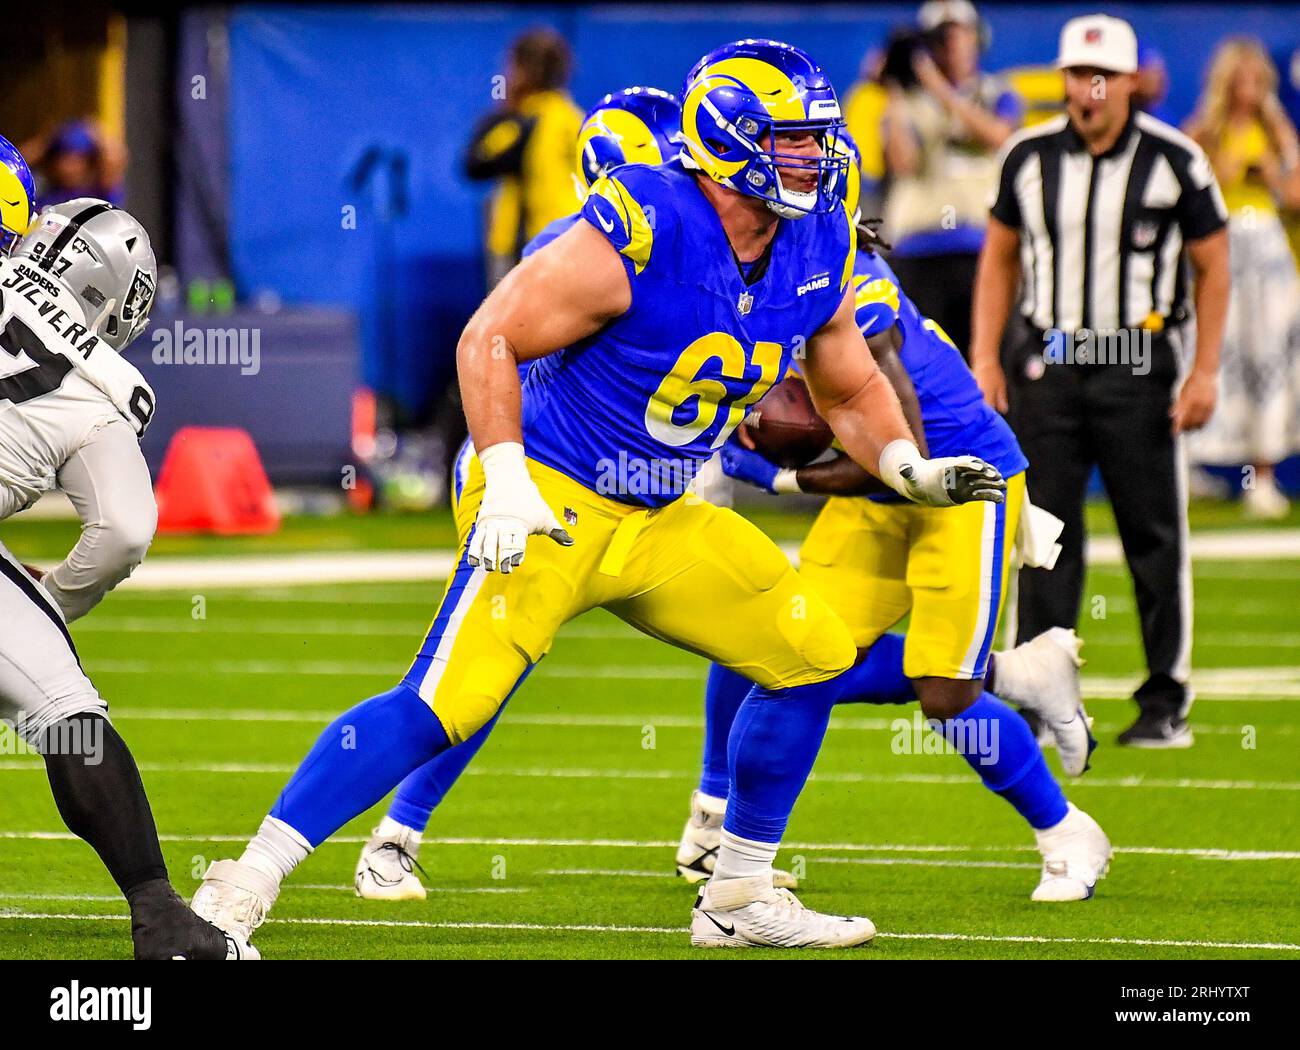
(749, 91)
(17, 196)
(638, 125)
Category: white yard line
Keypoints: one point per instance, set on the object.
(164, 573)
(1210, 853)
(596, 721)
(23, 765)
(182, 623)
(888, 862)
(116, 898)
(404, 628)
(241, 625)
(681, 931)
(347, 668)
(85, 898)
(1268, 684)
(260, 570)
(623, 873)
(404, 594)
(429, 889)
(920, 862)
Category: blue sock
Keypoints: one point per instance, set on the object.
(722, 698)
(878, 678)
(774, 742)
(423, 790)
(357, 760)
(999, 746)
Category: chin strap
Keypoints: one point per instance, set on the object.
(787, 210)
(869, 235)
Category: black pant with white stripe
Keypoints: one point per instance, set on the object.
(1070, 417)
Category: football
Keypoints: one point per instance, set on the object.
(785, 427)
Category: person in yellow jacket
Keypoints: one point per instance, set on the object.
(526, 146)
(1255, 151)
(864, 112)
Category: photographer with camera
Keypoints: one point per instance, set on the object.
(944, 122)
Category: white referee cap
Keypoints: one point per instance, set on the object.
(936, 13)
(1099, 41)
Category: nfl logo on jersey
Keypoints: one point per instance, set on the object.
(744, 303)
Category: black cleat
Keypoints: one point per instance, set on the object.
(1153, 730)
(163, 927)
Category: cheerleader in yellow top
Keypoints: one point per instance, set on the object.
(1253, 146)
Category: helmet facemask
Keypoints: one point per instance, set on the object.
(732, 135)
(830, 170)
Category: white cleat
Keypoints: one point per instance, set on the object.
(698, 850)
(1265, 501)
(1076, 854)
(386, 868)
(751, 913)
(235, 898)
(1042, 675)
(239, 950)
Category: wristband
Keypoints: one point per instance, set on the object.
(786, 482)
(896, 455)
(504, 461)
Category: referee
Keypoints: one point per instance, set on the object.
(1096, 214)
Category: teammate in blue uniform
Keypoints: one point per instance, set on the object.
(875, 559)
(656, 322)
(17, 196)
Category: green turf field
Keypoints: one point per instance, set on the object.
(559, 842)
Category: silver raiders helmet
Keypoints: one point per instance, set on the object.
(104, 258)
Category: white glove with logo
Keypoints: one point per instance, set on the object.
(939, 482)
(511, 511)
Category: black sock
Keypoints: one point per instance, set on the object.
(101, 798)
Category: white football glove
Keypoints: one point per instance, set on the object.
(939, 482)
(511, 511)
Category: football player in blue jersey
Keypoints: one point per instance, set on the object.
(874, 559)
(656, 323)
(17, 196)
(854, 558)
(638, 125)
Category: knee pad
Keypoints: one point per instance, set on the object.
(467, 714)
(820, 638)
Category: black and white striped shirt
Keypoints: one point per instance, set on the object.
(1101, 238)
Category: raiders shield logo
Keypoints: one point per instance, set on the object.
(138, 298)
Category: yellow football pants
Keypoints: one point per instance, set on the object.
(698, 576)
(873, 563)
